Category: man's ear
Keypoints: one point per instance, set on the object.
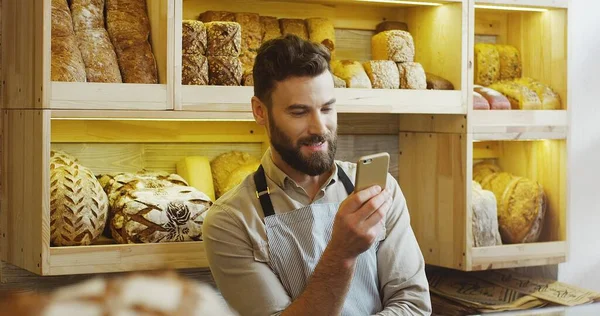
(259, 110)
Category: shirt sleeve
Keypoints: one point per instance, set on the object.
(249, 286)
(400, 263)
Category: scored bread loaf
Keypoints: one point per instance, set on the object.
(520, 97)
(487, 64)
(137, 64)
(338, 82)
(383, 74)
(390, 25)
(223, 38)
(224, 164)
(352, 72)
(66, 61)
(396, 45)
(269, 28)
(483, 169)
(225, 70)
(496, 100)
(294, 26)
(479, 102)
(510, 62)
(210, 16)
(412, 76)
(193, 37)
(194, 69)
(320, 30)
(99, 57)
(435, 82)
(550, 99)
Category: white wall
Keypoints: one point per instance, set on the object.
(583, 265)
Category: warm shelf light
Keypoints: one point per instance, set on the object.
(497, 7)
(402, 2)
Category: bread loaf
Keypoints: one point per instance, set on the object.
(99, 56)
(352, 72)
(67, 62)
(224, 38)
(210, 16)
(320, 30)
(87, 14)
(479, 102)
(383, 74)
(338, 82)
(487, 64)
(194, 69)
(510, 62)
(193, 37)
(127, 22)
(248, 79)
(269, 28)
(393, 45)
(435, 82)
(137, 64)
(390, 25)
(225, 71)
(550, 99)
(485, 217)
(238, 175)
(78, 205)
(61, 23)
(520, 97)
(483, 169)
(496, 100)
(224, 164)
(251, 30)
(294, 26)
(412, 76)
(247, 59)
(153, 215)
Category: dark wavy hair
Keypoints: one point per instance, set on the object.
(284, 57)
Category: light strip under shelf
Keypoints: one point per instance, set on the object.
(402, 2)
(498, 7)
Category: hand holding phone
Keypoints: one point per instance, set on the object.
(372, 170)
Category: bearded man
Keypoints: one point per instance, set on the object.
(293, 238)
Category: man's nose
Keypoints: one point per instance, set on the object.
(317, 124)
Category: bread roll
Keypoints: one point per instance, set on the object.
(412, 76)
(224, 39)
(383, 74)
(550, 99)
(496, 100)
(435, 82)
(510, 62)
(487, 64)
(320, 30)
(338, 82)
(479, 102)
(294, 26)
(193, 39)
(99, 56)
(269, 28)
(225, 70)
(66, 60)
(520, 97)
(137, 64)
(87, 14)
(390, 25)
(210, 16)
(127, 22)
(393, 45)
(352, 72)
(194, 69)
(61, 23)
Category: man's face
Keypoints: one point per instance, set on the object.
(303, 123)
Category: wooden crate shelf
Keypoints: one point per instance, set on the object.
(516, 4)
(519, 255)
(519, 125)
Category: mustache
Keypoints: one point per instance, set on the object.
(313, 139)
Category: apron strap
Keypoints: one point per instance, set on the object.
(263, 191)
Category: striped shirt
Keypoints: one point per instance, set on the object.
(236, 246)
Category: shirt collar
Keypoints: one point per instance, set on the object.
(281, 179)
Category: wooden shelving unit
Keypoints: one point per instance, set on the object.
(434, 137)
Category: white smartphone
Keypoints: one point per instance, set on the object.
(372, 170)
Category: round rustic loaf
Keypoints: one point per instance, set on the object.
(239, 174)
(223, 165)
(78, 205)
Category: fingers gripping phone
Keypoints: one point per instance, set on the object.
(372, 170)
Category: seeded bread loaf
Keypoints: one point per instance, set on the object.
(320, 30)
(225, 71)
(210, 16)
(393, 45)
(352, 72)
(487, 64)
(269, 28)
(412, 76)
(194, 69)
(251, 38)
(550, 99)
(383, 74)
(510, 62)
(520, 97)
(193, 41)
(496, 100)
(294, 26)
(223, 38)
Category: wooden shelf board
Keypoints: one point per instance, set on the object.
(389, 3)
(549, 4)
(519, 125)
(237, 99)
(518, 255)
(108, 96)
(165, 115)
(125, 257)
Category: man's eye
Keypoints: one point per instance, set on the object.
(298, 113)
(326, 110)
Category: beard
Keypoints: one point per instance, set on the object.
(316, 163)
